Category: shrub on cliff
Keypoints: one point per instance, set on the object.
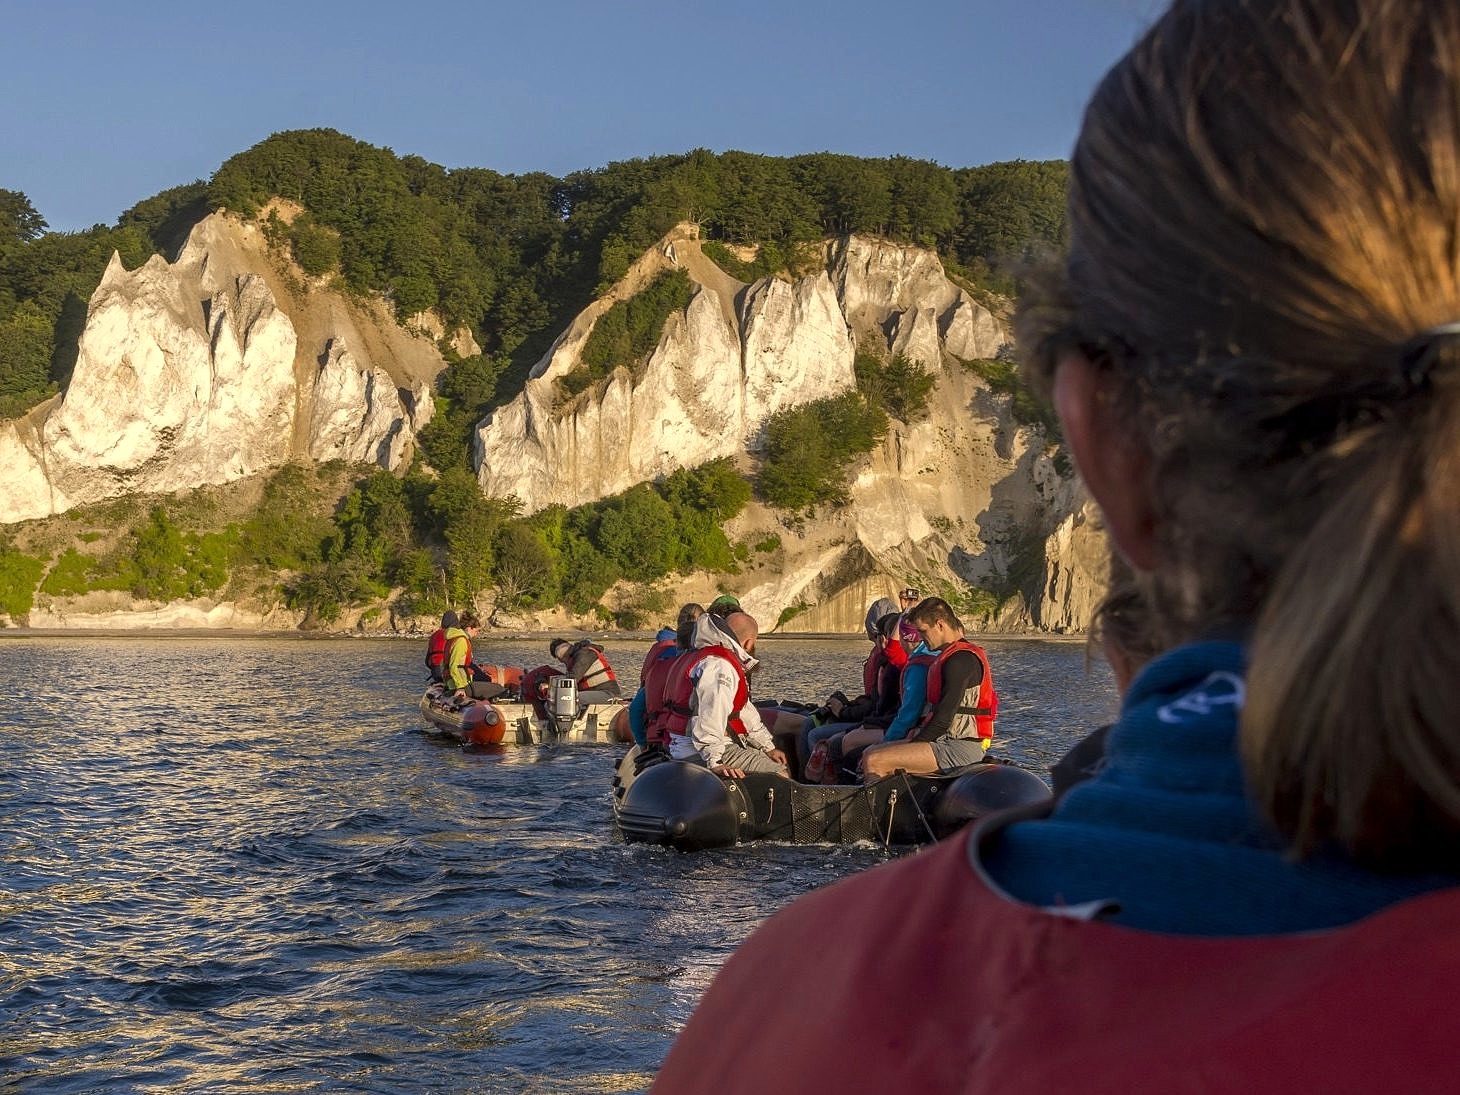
(627, 333)
(19, 575)
(809, 450)
(288, 528)
(1003, 378)
(316, 248)
(899, 386)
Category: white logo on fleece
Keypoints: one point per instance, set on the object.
(1218, 690)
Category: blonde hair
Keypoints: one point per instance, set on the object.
(1265, 220)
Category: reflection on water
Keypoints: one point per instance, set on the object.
(238, 864)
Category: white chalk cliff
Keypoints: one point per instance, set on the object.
(965, 493)
(223, 364)
(207, 370)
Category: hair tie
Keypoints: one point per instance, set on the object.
(1417, 358)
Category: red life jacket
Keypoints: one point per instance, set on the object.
(679, 690)
(655, 651)
(1010, 999)
(436, 653)
(889, 688)
(981, 704)
(655, 678)
(870, 668)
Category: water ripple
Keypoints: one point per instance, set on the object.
(215, 875)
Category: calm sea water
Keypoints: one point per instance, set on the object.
(237, 865)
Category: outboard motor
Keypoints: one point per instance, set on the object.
(562, 703)
(983, 790)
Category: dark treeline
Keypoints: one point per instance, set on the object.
(512, 257)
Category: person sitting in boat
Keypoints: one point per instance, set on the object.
(957, 723)
(459, 672)
(723, 605)
(436, 645)
(881, 607)
(876, 707)
(646, 706)
(584, 661)
(1252, 345)
(783, 720)
(709, 718)
(844, 751)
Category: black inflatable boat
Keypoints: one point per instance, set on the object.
(688, 807)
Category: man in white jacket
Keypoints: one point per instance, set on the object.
(724, 731)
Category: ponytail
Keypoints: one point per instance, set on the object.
(1349, 728)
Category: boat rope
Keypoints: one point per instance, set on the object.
(891, 811)
(918, 807)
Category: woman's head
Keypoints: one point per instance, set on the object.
(1248, 344)
(684, 627)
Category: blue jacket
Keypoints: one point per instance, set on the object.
(914, 696)
(1167, 831)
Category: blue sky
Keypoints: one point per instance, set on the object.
(104, 104)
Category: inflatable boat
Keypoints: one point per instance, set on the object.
(686, 806)
(572, 716)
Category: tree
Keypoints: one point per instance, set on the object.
(316, 248)
(522, 567)
(159, 558)
(900, 386)
(636, 532)
(809, 450)
(19, 221)
(25, 359)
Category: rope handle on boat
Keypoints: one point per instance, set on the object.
(891, 813)
(928, 828)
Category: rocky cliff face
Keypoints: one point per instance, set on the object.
(966, 493)
(219, 366)
(208, 370)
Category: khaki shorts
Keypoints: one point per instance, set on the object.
(951, 752)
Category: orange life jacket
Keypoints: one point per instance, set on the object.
(601, 672)
(679, 689)
(979, 705)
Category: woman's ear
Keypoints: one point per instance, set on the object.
(1109, 456)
